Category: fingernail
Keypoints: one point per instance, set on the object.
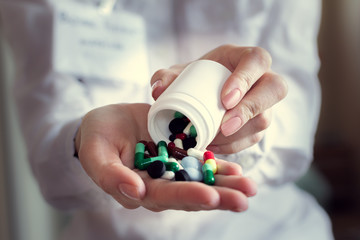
(129, 191)
(213, 148)
(157, 83)
(231, 126)
(232, 98)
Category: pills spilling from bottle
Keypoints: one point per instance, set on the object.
(178, 160)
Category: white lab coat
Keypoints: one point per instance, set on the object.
(51, 104)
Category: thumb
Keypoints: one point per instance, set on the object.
(103, 164)
(162, 79)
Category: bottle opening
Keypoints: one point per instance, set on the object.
(161, 124)
(173, 126)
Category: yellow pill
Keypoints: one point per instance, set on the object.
(213, 165)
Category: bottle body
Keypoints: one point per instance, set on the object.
(196, 94)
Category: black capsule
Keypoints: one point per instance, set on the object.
(172, 137)
(189, 143)
(156, 169)
(182, 175)
(177, 125)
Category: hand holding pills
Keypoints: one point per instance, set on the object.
(106, 142)
(247, 95)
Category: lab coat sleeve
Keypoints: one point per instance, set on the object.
(50, 107)
(286, 151)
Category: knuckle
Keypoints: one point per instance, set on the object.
(282, 87)
(250, 109)
(157, 75)
(226, 46)
(256, 138)
(262, 56)
(166, 75)
(245, 79)
(263, 121)
(234, 147)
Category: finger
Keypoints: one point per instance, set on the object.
(102, 163)
(250, 134)
(239, 183)
(228, 168)
(232, 200)
(268, 90)
(191, 196)
(251, 64)
(163, 78)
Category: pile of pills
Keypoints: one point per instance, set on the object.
(178, 160)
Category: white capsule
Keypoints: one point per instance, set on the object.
(178, 143)
(187, 129)
(169, 175)
(196, 153)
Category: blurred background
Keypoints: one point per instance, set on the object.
(334, 178)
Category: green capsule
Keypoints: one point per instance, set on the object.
(206, 167)
(162, 149)
(140, 147)
(213, 165)
(193, 132)
(144, 163)
(164, 159)
(209, 178)
(178, 115)
(139, 154)
(172, 166)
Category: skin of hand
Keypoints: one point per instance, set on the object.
(247, 95)
(105, 143)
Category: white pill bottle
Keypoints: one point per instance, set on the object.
(196, 94)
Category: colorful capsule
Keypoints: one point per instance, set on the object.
(178, 153)
(171, 159)
(208, 155)
(178, 115)
(195, 153)
(162, 149)
(144, 164)
(171, 145)
(208, 174)
(139, 153)
(208, 177)
(172, 166)
(169, 175)
(152, 149)
(177, 125)
(187, 129)
(182, 175)
(156, 169)
(189, 143)
(213, 164)
(178, 143)
(193, 132)
(172, 137)
(181, 136)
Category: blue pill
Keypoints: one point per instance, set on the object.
(194, 174)
(191, 162)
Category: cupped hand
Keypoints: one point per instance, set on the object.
(247, 95)
(106, 143)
